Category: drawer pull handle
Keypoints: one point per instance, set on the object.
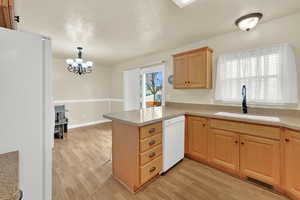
(152, 169)
(152, 154)
(287, 140)
(152, 142)
(151, 130)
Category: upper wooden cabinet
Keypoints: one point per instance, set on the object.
(7, 14)
(291, 143)
(193, 69)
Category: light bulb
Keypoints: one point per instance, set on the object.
(79, 60)
(89, 63)
(84, 65)
(75, 64)
(69, 61)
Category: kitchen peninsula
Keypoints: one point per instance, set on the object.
(273, 134)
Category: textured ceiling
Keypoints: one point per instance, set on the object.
(111, 31)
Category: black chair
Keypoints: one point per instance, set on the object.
(61, 122)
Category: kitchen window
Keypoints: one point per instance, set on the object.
(269, 74)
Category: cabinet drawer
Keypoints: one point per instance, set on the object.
(151, 169)
(150, 142)
(150, 155)
(250, 129)
(150, 130)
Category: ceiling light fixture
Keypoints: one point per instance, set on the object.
(248, 22)
(183, 3)
(78, 66)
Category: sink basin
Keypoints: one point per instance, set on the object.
(247, 116)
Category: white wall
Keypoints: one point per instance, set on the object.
(282, 30)
(87, 97)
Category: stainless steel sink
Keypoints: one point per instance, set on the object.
(247, 116)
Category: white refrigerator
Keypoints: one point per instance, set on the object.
(27, 115)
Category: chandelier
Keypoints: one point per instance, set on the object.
(78, 66)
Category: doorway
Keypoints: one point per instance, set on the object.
(152, 85)
(144, 87)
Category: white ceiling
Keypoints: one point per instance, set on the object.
(112, 31)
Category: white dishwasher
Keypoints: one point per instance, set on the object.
(173, 141)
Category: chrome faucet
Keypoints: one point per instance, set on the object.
(244, 102)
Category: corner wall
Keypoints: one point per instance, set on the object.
(281, 30)
(87, 97)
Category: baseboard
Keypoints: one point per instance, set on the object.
(89, 123)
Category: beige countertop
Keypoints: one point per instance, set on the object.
(288, 118)
(9, 173)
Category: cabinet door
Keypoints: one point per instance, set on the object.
(292, 163)
(197, 69)
(7, 14)
(197, 138)
(180, 72)
(260, 159)
(224, 150)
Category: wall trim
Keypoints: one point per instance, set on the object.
(87, 100)
(89, 123)
(117, 100)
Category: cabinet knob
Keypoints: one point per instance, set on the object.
(287, 140)
(151, 130)
(152, 169)
(242, 143)
(203, 125)
(236, 142)
(152, 154)
(152, 142)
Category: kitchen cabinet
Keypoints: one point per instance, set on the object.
(291, 143)
(136, 153)
(197, 138)
(7, 14)
(224, 150)
(260, 159)
(241, 149)
(180, 72)
(193, 69)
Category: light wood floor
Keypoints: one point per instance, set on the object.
(82, 171)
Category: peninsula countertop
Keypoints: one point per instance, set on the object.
(287, 118)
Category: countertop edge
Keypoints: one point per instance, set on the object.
(261, 122)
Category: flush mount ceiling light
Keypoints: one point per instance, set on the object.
(183, 3)
(248, 22)
(78, 66)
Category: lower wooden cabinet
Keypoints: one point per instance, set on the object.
(264, 153)
(136, 153)
(260, 159)
(197, 138)
(224, 150)
(291, 143)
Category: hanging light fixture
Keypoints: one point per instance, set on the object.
(78, 66)
(248, 22)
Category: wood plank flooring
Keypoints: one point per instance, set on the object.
(82, 171)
